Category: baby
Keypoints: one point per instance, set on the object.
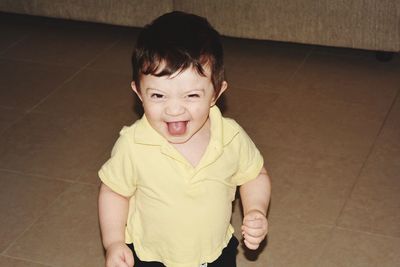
(167, 190)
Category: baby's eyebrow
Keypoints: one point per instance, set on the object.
(153, 89)
(196, 90)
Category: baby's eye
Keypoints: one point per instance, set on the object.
(156, 96)
(193, 95)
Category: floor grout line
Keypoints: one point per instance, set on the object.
(302, 63)
(370, 151)
(48, 178)
(35, 220)
(367, 233)
(324, 247)
(26, 260)
(333, 226)
(44, 177)
(23, 38)
(23, 114)
(58, 88)
(336, 225)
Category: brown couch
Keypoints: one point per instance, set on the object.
(363, 24)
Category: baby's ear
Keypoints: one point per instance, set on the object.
(224, 86)
(136, 90)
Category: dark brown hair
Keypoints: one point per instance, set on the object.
(177, 41)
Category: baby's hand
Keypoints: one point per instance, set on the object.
(254, 228)
(119, 255)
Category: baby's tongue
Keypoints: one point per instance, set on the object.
(177, 128)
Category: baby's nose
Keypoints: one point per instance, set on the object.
(174, 108)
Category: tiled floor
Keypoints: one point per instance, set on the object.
(326, 119)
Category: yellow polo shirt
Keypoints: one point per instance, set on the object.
(179, 214)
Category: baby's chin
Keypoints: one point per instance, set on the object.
(178, 140)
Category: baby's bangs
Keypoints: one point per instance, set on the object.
(173, 64)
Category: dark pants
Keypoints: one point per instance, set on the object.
(227, 258)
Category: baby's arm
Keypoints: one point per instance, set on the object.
(255, 196)
(113, 213)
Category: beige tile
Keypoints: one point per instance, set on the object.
(11, 35)
(118, 57)
(67, 234)
(375, 202)
(290, 243)
(355, 249)
(311, 178)
(348, 79)
(8, 117)
(384, 161)
(316, 113)
(245, 106)
(252, 108)
(309, 187)
(309, 120)
(64, 43)
(338, 128)
(90, 175)
(10, 262)
(15, 28)
(56, 146)
(261, 65)
(383, 165)
(374, 209)
(24, 84)
(23, 199)
(331, 107)
(339, 102)
(393, 121)
(322, 126)
(94, 94)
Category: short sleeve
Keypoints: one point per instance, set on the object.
(118, 172)
(250, 159)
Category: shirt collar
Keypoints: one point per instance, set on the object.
(145, 134)
(222, 132)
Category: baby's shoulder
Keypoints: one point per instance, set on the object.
(127, 131)
(231, 125)
(127, 136)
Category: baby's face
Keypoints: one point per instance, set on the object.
(178, 106)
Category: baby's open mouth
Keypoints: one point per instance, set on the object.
(177, 127)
